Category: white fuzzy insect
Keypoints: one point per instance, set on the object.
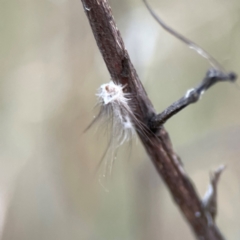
(114, 105)
(115, 111)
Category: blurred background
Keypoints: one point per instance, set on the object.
(50, 68)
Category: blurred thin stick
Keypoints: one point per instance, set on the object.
(214, 63)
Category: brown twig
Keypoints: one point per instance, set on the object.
(210, 199)
(212, 77)
(157, 144)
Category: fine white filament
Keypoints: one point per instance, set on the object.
(116, 113)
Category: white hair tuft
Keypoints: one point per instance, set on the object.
(116, 113)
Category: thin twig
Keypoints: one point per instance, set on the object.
(215, 64)
(210, 199)
(192, 96)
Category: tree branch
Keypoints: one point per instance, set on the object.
(210, 198)
(212, 77)
(157, 144)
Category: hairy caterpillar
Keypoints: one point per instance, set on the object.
(116, 113)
